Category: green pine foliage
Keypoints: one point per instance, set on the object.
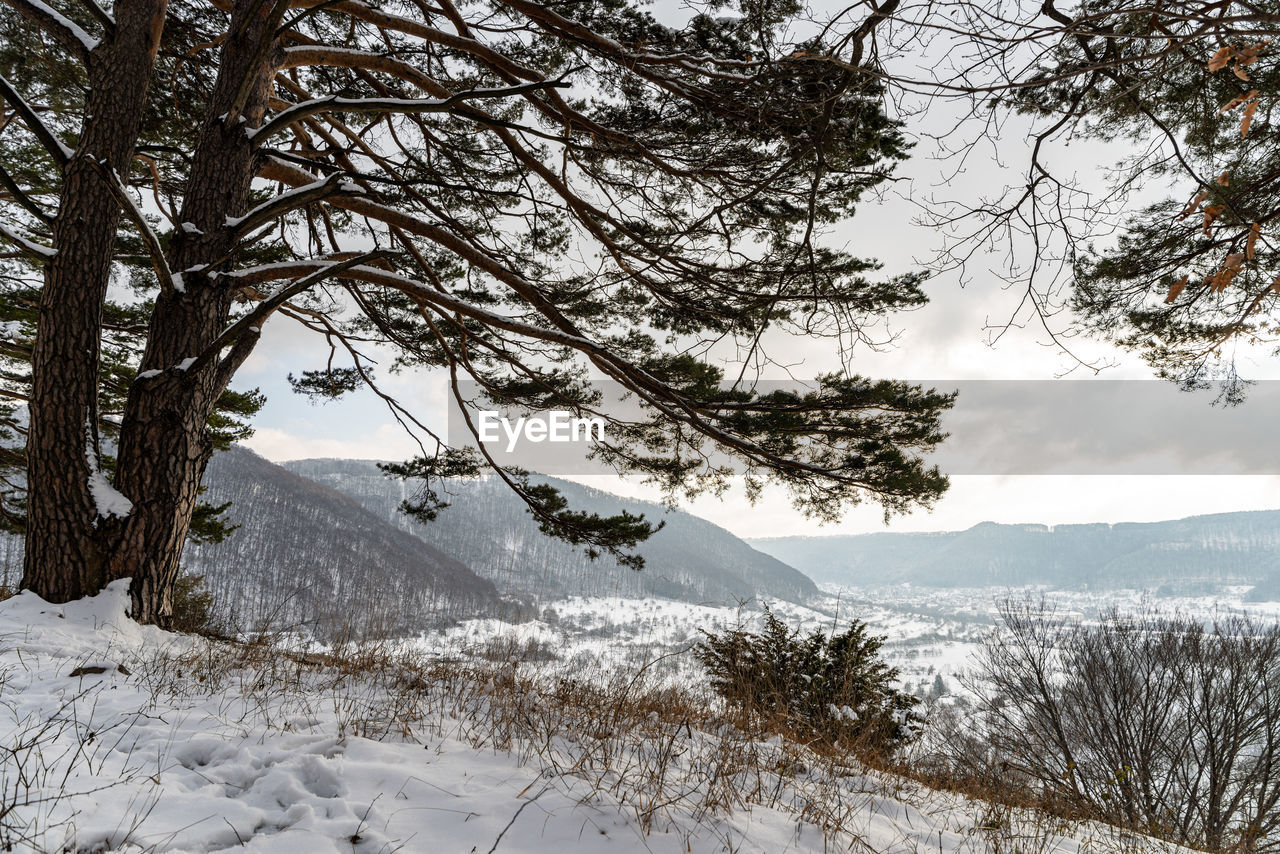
(1182, 270)
(824, 688)
(193, 606)
(659, 191)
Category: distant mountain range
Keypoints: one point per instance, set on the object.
(1185, 555)
(323, 542)
(488, 529)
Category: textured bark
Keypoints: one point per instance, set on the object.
(65, 557)
(163, 444)
(72, 550)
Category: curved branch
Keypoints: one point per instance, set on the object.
(62, 29)
(392, 105)
(21, 197)
(168, 284)
(32, 250)
(337, 57)
(251, 322)
(664, 399)
(300, 197)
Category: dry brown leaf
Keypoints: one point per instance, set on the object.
(1220, 280)
(1237, 101)
(1194, 204)
(1220, 59)
(1210, 214)
(1248, 118)
(1176, 288)
(1224, 179)
(1233, 261)
(1238, 71)
(1249, 55)
(1250, 244)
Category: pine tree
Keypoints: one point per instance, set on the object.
(522, 194)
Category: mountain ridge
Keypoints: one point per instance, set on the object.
(1241, 547)
(690, 559)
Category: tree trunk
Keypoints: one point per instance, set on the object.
(65, 558)
(164, 445)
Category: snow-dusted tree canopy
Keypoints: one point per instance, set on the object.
(521, 194)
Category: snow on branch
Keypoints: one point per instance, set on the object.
(64, 30)
(35, 250)
(393, 105)
(292, 199)
(168, 282)
(100, 15)
(251, 322)
(60, 153)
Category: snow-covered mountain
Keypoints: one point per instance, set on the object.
(1182, 555)
(305, 552)
(323, 540)
(489, 530)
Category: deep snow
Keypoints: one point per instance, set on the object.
(115, 737)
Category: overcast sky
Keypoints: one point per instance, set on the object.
(948, 340)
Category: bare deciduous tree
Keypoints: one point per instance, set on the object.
(1155, 723)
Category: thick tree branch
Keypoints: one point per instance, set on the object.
(64, 31)
(402, 106)
(251, 323)
(334, 184)
(59, 152)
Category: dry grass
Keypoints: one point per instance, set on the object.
(677, 759)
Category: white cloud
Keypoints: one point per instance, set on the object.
(388, 442)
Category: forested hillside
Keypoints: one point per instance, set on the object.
(1226, 548)
(488, 529)
(305, 553)
(306, 556)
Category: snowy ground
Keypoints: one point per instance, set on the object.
(603, 634)
(115, 737)
(930, 632)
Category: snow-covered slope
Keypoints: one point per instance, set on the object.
(117, 737)
(488, 529)
(307, 556)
